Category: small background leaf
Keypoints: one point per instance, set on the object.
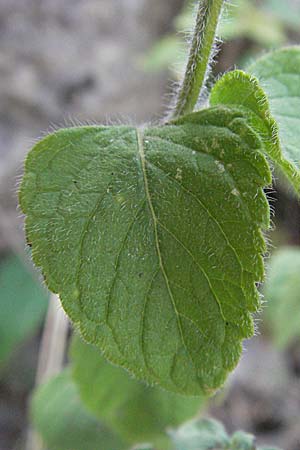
(209, 434)
(244, 18)
(279, 75)
(268, 448)
(23, 304)
(287, 12)
(241, 89)
(63, 422)
(200, 434)
(282, 295)
(242, 441)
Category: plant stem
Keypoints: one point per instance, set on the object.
(53, 343)
(199, 57)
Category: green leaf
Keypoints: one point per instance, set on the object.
(164, 53)
(268, 448)
(282, 295)
(153, 241)
(209, 434)
(63, 422)
(137, 412)
(200, 434)
(242, 441)
(279, 75)
(288, 12)
(241, 89)
(249, 20)
(23, 305)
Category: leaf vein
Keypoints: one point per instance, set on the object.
(141, 153)
(198, 200)
(200, 268)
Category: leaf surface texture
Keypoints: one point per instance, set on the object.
(153, 240)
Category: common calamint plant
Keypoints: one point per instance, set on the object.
(153, 236)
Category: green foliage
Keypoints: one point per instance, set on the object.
(244, 441)
(241, 441)
(279, 74)
(239, 88)
(137, 232)
(265, 23)
(208, 434)
(137, 412)
(63, 422)
(163, 53)
(287, 12)
(200, 434)
(23, 305)
(153, 239)
(257, 22)
(282, 295)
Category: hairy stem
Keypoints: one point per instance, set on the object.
(200, 56)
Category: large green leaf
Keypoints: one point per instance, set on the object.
(152, 238)
(241, 89)
(134, 410)
(63, 422)
(23, 305)
(282, 292)
(279, 75)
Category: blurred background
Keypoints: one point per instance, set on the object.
(109, 61)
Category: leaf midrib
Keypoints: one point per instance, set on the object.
(141, 154)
